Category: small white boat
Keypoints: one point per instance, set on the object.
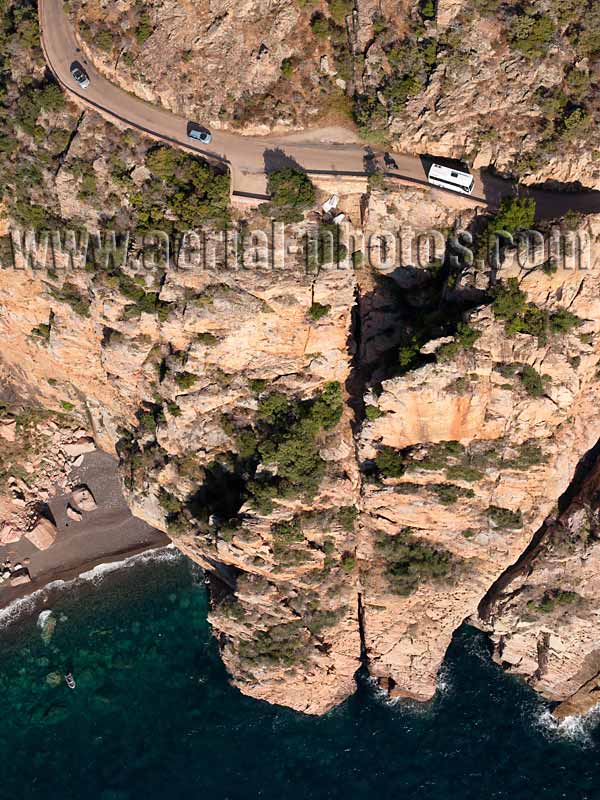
(70, 681)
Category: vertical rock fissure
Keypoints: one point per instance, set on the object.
(520, 566)
(356, 383)
(62, 156)
(364, 657)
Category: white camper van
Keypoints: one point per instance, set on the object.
(449, 178)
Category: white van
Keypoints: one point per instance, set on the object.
(449, 178)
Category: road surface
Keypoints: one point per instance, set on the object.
(250, 158)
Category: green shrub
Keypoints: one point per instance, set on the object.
(280, 644)
(320, 25)
(407, 487)
(410, 561)
(262, 493)
(412, 61)
(273, 407)
(510, 304)
(464, 472)
(104, 40)
(319, 620)
(504, 517)
(185, 380)
(427, 9)
(317, 311)
(390, 462)
(515, 214)
(437, 456)
(459, 386)
(208, 339)
(287, 68)
(449, 493)
(346, 516)
(340, 9)
(372, 412)
(551, 599)
(144, 29)
(289, 440)
(287, 532)
(531, 33)
(298, 462)
(42, 331)
(258, 385)
(348, 563)
(169, 502)
(292, 192)
(184, 185)
(72, 296)
(326, 409)
(563, 321)
(533, 382)
(357, 258)
(464, 339)
(529, 455)
(247, 443)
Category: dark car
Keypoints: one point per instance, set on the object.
(200, 134)
(79, 75)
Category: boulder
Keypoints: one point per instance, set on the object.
(79, 448)
(20, 578)
(8, 534)
(83, 498)
(43, 535)
(8, 430)
(73, 514)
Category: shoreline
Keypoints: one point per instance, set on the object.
(107, 534)
(47, 581)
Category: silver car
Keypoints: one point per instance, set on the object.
(79, 75)
(200, 134)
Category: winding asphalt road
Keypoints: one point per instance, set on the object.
(250, 158)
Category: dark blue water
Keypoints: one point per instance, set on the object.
(154, 717)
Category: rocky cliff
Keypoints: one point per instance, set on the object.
(492, 82)
(357, 440)
(348, 484)
(224, 395)
(249, 65)
(542, 612)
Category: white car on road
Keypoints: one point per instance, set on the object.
(79, 75)
(199, 133)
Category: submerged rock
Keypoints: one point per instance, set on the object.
(47, 624)
(54, 679)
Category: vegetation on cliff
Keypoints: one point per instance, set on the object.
(410, 561)
(287, 432)
(292, 192)
(41, 144)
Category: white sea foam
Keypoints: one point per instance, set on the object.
(444, 680)
(168, 553)
(43, 618)
(24, 606)
(403, 704)
(576, 728)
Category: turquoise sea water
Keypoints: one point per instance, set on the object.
(154, 717)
